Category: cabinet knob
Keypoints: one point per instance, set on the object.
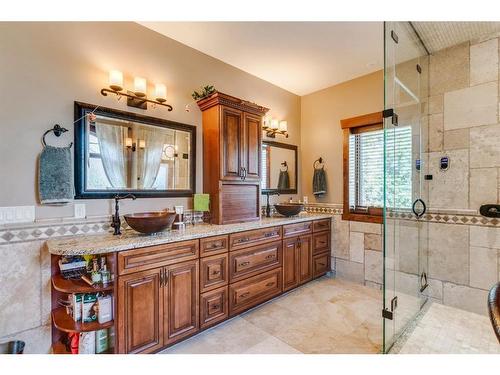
(216, 272)
(270, 284)
(243, 264)
(270, 256)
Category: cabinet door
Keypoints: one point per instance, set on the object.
(305, 258)
(139, 312)
(231, 144)
(252, 147)
(290, 264)
(181, 301)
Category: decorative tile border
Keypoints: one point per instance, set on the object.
(50, 229)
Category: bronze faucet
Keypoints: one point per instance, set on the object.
(116, 222)
(267, 193)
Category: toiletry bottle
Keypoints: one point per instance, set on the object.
(95, 275)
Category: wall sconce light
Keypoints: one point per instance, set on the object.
(138, 97)
(130, 144)
(273, 127)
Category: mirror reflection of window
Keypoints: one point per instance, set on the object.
(128, 155)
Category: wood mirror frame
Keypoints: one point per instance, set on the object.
(81, 109)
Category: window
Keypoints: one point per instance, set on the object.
(364, 167)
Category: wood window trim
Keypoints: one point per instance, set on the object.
(357, 125)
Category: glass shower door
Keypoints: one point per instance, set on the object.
(405, 230)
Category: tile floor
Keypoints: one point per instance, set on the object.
(331, 316)
(324, 316)
(448, 330)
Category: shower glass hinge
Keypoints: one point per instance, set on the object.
(394, 36)
(390, 113)
(419, 69)
(389, 314)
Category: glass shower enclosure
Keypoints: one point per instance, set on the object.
(405, 257)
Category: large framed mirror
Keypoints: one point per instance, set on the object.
(279, 167)
(122, 152)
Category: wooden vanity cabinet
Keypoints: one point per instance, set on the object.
(157, 307)
(297, 261)
(140, 312)
(232, 138)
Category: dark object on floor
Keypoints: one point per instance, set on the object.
(150, 222)
(12, 347)
(490, 210)
(494, 308)
(289, 209)
(55, 175)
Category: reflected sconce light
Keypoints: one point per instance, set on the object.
(142, 143)
(130, 144)
(273, 127)
(138, 97)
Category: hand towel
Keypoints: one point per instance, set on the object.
(202, 202)
(283, 181)
(319, 182)
(55, 174)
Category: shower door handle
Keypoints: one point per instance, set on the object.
(418, 214)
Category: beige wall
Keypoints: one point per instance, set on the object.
(45, 67)
(321, 134)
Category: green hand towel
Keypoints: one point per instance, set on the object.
(319, 182)
(283, 181)
(202, 202)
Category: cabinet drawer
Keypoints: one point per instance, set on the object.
(321, 225)
(321, 242)
(213, 245)
(213, 307)
(250, 292)
(251, 261)
(321, 264)
(253, 237)
(213, 272)
(156, 256)
(296, 229)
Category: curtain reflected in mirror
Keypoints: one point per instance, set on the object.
(279, 167)
(128, 155)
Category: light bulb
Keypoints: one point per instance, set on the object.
(116, 80)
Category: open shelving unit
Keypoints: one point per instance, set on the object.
(62, 323)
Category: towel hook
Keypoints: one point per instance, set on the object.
(58, 130)
(317, 161)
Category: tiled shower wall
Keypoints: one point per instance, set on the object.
(464, 125)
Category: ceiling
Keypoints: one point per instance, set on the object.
(301, 57)
(304, 57)
(439, 35)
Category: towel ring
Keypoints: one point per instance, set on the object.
(58, 130)
(317, 161)
(285, 165)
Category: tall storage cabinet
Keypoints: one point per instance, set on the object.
(232, 138)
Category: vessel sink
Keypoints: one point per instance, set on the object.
(289, 209)
(150, 222)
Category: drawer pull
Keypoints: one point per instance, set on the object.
(244, 239)
(270, 234)
(322, 264)
(216, 272)
(214, 307)
(214, 245)
(243, 264)
(270, 256)
(322, 242)
(245, 295)
(270, 284)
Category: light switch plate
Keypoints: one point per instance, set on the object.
(18, 214)
(79, 210)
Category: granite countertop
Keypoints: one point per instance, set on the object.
(130, 239)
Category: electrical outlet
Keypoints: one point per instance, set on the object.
(79, 210)
(18, 214)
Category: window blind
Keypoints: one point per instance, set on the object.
(366, 168)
